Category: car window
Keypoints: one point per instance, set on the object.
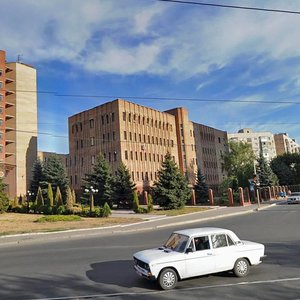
(201, 243)
(219, 240)
(230, 241)
(176, 242)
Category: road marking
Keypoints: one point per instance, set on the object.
(175, 290)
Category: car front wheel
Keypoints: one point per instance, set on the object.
(167, 279)
(241, 267)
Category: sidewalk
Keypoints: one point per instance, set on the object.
(151, 222)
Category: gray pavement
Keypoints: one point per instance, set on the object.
(150, 222)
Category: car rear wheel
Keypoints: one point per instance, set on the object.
(241, 267)
(167, 279)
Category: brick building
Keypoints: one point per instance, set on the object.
(140, 137)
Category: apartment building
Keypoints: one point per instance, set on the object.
(44, 156)
(261, 142)
(18, 124)
(285, 144)
(140, 137)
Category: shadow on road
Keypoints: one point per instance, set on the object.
(119, 273)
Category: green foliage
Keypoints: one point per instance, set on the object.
(264, 172)
(58, 198)
(123, 187)
(74, 197)
(50, 195)
(45, 209)
(58, 218)
(59, 210)
(201, 188)
(106, 210)
(239, 162)
(171, 190)
(39, 198)
(141, 210)
(102, 180)
(37, 176)
(150, 203)
(75, 210)
(135, 204)
(287, 168)
(69, 204)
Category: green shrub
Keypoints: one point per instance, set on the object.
(106, 212)
(75, 210)
(20, 209)
(141, 210)
(60, 210)
(97, 212)
(58, 218)
(4, 203)
(150, 203)
(85, 212)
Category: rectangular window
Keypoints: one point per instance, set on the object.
(112, 117)
(115, 156)
(129, 117)
(93, 159)
(130, 135)
(102, 120)
(92, 141)
(92, 123)
(124, 116)
(1, 84)
(136, 155)
(82, 161)
(132, 175)
(109, 156)
(125, 135)
(219, 240)
(107, 119)
(131, 155)
(141, 155)
(201, 243)
(126, 154)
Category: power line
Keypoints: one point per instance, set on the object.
(234, 6)
(55, 94)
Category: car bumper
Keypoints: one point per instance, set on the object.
(144, 273)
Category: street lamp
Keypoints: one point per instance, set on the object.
(29, 194)
(91, 191)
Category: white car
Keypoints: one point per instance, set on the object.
(294, 198)
(194, 252)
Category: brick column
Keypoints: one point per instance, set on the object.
(211, 197)
(241, 194)
(230, 196)
(193, 197)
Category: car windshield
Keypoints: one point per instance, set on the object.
(295, 194)
(176, 242)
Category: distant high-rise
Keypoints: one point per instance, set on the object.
(140, 137)
(18, 124)
(285, 144)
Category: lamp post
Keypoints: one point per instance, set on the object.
(91, 191)
(29, 194)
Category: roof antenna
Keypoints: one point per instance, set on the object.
(19, 57)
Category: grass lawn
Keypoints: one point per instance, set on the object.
(14, 223)
(177, 212)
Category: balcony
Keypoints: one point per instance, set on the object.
(8, 92)
(8, 69)
(9, 117)
(8, 80)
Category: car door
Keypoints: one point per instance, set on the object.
(200, 260)
(224, 252)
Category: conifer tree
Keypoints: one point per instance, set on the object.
(102, 180)
(39, 198)
(55, 173)
(58, 198)
(69, 201)
(4, 200)
(265, 174)
(135, 204)
(123, 187)
(171, 190)
(37, 176)
(50, 195)
(201, 188)
(106, 210)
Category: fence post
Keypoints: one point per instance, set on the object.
(193, 197)
(230, 196)
(145, 197)
(211, 197)
(241, 196)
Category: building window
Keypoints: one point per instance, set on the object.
(138, 175)
(92, 123)
(108, 136)
(109, 156)
(1, 72)
(93, 159)
(131, 155)
(130, 135)
(132, 175)
(145, 156)
(75, 179)
(126, 154)
(102, 120)
(107, 119)
(124, 116)
(141, 155)
(80, 126)
(112, 117)
(136, 155)
(92, 141)
(125, 135)
(1, 110)
(1, 84)
(129, 117)
(115, 156)
(82, 161)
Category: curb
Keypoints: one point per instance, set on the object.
(114, 229)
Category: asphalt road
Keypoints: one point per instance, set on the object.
(100, 266)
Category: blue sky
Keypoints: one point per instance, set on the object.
(147, 48)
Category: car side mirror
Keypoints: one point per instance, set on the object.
(189, 250)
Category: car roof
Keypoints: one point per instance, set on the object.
(203, 231)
